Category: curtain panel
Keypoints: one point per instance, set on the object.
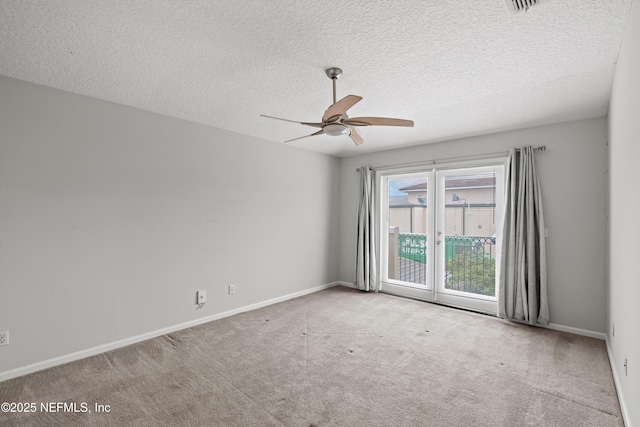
(523, 268)
(366, 265)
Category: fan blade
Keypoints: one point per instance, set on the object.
(320, 132)
(341, 107)
(355, 135)
(377, 121)
(317, 125)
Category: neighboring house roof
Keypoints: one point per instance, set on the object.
(455, 182)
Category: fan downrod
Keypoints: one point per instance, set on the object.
(334, 73)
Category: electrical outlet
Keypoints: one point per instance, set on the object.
(4, 337)
(201, 297)
(232, 289)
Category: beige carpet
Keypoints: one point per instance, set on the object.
(335, 358)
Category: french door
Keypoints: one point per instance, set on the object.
(440, 234)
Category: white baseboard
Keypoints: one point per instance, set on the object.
(38, 366)
(616, 382)
(346, 284)
(577, 331)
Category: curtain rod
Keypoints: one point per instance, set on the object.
(476, 156)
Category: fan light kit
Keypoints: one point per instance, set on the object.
(336, 129)
(335, 121)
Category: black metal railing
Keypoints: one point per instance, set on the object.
(469, 265)
(472, 268)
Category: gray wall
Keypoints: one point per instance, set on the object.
(624, 219)
(572, 177)
(111, 218)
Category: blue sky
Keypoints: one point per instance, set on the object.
(396, 184)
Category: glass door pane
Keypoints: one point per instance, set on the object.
(468, 223)
(406, 232)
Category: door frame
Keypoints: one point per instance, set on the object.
(432, 292)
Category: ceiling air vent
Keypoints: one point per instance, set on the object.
(516, 6)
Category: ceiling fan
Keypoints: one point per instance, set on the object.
(335, 121)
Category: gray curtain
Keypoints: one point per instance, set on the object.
(523, 267)
(366, 279)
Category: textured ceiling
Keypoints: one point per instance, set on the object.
(454, 67)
